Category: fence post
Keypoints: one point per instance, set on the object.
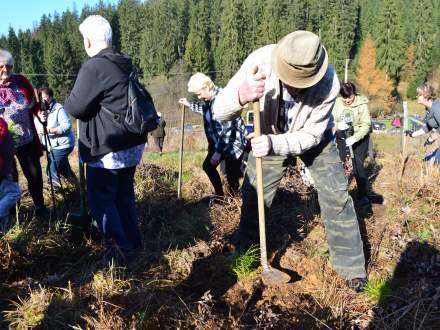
(405, 127)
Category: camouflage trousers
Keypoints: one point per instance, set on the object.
(337, 209)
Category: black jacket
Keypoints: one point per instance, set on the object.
(102, 83)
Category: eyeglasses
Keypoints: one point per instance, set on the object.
(5, 66)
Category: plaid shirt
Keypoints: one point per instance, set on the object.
(226, 137)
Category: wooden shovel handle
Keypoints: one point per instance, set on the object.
(260, 194)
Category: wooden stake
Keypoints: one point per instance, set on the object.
(182, 127)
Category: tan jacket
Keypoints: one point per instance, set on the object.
(312, 119)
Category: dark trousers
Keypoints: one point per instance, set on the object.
(360, 151)
(29, 160)
(59, 165)
(232, 172)
(112, 205)
(158, 143)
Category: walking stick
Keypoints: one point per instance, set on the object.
(182, 124)
(270, 276)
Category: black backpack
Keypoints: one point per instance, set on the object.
(141, 116)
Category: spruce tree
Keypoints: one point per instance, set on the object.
(160, 38)
(197, 55)
(131, 22)
(271, 27)
(230, 51)
(424, 32)
(390, 40)
(14, 49)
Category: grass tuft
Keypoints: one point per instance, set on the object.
(245, 264)
(29, 312)
(379, 290)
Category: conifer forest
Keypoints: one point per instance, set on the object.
(402, 37)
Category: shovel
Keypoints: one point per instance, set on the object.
(80, 219)
(270, 276)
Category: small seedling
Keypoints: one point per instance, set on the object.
(424, 235)
(245, 264)
(379, 290)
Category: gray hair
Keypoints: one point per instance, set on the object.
(96, 28)
(6, 57)
(199, 81)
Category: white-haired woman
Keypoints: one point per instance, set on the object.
(226, 139)
(17, 98)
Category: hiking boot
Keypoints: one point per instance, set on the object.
(357, 284)
(375, 198)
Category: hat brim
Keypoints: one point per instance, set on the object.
(288, 76)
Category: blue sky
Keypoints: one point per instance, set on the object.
(25, 14)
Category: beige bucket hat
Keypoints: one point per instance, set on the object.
(299, 59)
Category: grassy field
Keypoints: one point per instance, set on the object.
(187, 276)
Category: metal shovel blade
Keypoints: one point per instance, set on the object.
(272, 276)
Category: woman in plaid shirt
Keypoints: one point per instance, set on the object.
(226, 139)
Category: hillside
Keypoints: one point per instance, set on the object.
(52, 279)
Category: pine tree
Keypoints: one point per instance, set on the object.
(271, 27)
(425, 33)
(58, 60)
(253, 10)
(390, 40)
(31, 58)
(159, 46)
(131, 22)
(197, 45)
(14, 49)
(230, 51)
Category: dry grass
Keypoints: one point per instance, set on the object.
(184, 279)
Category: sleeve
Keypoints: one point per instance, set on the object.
(336, 112)
(85, 95)
(436, 116)
(196, 107)
(64, 123)
(227, 105)
(364, 123)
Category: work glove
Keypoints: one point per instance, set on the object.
(342, 126)
(350, 141)
(408, 133)
(428, 142)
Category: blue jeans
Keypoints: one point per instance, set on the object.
(59, 159)
(112, 205)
